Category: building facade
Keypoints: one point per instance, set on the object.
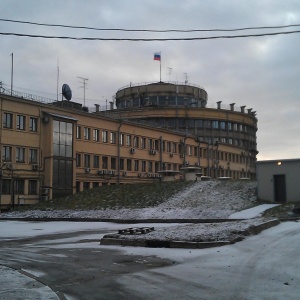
(58, 148)
(278, 180)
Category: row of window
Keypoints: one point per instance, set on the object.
(18, 187)
(19, 154)
(22, 122)
(200, 124)
(105, 162)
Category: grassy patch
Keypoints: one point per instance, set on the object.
(280, 211)
(116, 197)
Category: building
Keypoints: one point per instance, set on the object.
(278, 180)
(55, 148)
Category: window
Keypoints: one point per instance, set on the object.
(122, 139)
(78, 160)
(33, 156)
(235, 126)
(33, 123)
(168, 147)
(149, 166)
(113, 163)
(113, 138)
(143, 166)
(189, 150)
(104, 162)
(78, 132)
(7, 120)
(86, 133)
(6, 186)
(156, 167)
(96, 135)
(87, 160)
(96, 162)
(135, 142)
(150, 144)
(122, 164)
(21, 122)
(20, 183)
(105, 136)
(6, 153)
(32, 187)
(129, 165)
(222, 125)
(195, 151)
(143, 143)
(20, 154)
(215, 124)
(156, 145)
(128, 140)
(62, 139)
(229, 125)
(174, 148)
(86, 185)
(136, 165)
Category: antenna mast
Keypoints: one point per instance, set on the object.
(84, 80)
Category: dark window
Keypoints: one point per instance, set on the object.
(129, 164)
(6, 153)
(78, 160)
(33, 124)
(87, 160)
(136, 165)
(32, 187)
(7, 120)
(33, 156)
(78, 132)
(6, 186)
(113, 163)
(20, 154)
(87, 133)
(104, 162)
(21, 122)
(86, 185)
(20, 186)
(96, 161)
(96, 134)
(122, 164)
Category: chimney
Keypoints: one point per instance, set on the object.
(219, 104)
(111, 105)
(249, 111)
(97, 107)
(232, 106)
(243, 108)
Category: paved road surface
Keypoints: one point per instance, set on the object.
(73, 266)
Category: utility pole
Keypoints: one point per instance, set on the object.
(84, 81)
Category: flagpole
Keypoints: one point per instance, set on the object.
(160, 69)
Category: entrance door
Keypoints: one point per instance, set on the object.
(279, 188)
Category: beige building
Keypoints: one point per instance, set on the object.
(55, 148)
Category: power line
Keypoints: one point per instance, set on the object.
(148, 30)
(149, 39)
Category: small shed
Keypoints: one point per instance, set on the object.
(168, 175)
(278, 180)
(191, 173)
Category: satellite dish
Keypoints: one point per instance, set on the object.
(66, 91)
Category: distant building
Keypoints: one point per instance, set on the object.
(278, 180)
(55, 148)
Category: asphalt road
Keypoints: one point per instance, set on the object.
(74, 266)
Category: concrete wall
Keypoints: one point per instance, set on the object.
(265, 179)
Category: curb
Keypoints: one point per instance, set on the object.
(114, 240)
(121, 221)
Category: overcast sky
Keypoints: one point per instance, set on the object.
(259, 72)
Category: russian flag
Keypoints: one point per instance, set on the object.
(157, 56)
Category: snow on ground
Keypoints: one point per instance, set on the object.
(252, 212)
(203, 200)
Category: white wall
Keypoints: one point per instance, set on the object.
(265, 170)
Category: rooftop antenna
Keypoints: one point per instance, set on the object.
(84, 80)
(57, 79)
(170, 72)
(186, 78)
